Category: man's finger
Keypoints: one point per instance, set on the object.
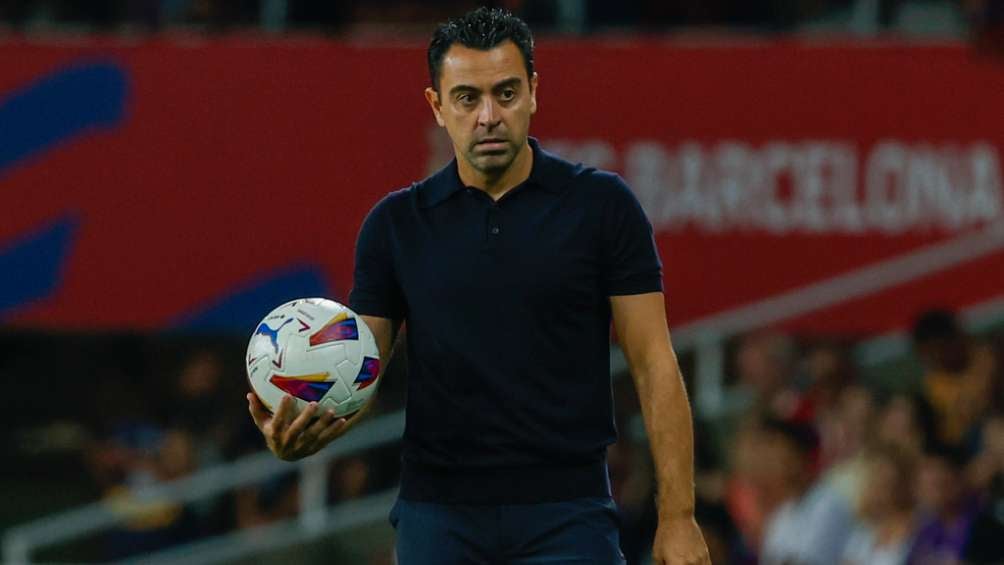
(332, 431)
(319, 424)
(259, 413)
(283, 414)
(299, 424)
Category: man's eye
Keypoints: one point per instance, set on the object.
(465, 99)
(508, 94)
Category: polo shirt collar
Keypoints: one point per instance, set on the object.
(546, 173)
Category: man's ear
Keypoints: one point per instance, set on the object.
(432, 97)
(533, 93)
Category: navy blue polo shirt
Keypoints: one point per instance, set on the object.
(507, 311)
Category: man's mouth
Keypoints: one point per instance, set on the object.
(491, 144)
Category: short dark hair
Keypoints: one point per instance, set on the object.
(935, 324)
(799, 435)
(482, 29)
(954, 456)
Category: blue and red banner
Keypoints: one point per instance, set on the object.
(193, 183)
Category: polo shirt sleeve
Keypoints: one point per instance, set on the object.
(376, 290)
(631, 262)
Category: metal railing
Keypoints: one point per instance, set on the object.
(21, 541)
(252, 541)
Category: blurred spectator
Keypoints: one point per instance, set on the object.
(946, 505)
(906, 420)
(986, 538)
(987, 20)
(850, 428)
(813, 522)
(989, 461)
(886, 509)
(275, 500)
(958, 374)
(764, 364)
(98, 13)
(350, 478)
(819, 387)
(725, 545)
(207, 412)
(146, 458)
(125, 436)
(847, 427)
(202, 406)
(748, 505)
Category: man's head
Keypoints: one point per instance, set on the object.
(786, 449)
(939, 486)
(940, 342)
(889, 470)
(483, 86)
(765, 361)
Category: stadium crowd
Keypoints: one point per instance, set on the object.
(810, 463)
(807, 460)
(576, 16)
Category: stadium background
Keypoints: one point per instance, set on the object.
(819, 175)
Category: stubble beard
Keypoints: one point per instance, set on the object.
(493, 164)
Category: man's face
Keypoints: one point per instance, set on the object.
(485, 101)
(882, 490)
(937, 485)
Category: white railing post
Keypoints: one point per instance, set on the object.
(15, 550)
(709, 374)
(313, 495)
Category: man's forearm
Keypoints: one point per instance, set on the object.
(666, 411)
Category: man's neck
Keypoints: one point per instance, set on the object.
(497, 185)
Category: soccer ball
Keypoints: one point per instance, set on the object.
(315, 350)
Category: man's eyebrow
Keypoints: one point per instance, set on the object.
(463, 88)
(511, 81)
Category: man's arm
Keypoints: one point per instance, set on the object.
(292, 436)
(640, 321)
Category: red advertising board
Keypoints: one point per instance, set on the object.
(147, 183)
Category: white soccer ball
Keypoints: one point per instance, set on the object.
(315, 350)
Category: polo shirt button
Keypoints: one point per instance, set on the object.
(496, 230)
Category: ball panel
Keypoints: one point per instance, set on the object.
(340, 327)
(367, 373)
(305, 387)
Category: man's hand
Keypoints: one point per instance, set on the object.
(292, 436)
(679, 542)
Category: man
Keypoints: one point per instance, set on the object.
(507, 266)
(958, 375)
(811, 520)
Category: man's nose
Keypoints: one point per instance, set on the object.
(489, 115)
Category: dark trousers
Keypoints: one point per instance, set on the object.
(580, 532)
